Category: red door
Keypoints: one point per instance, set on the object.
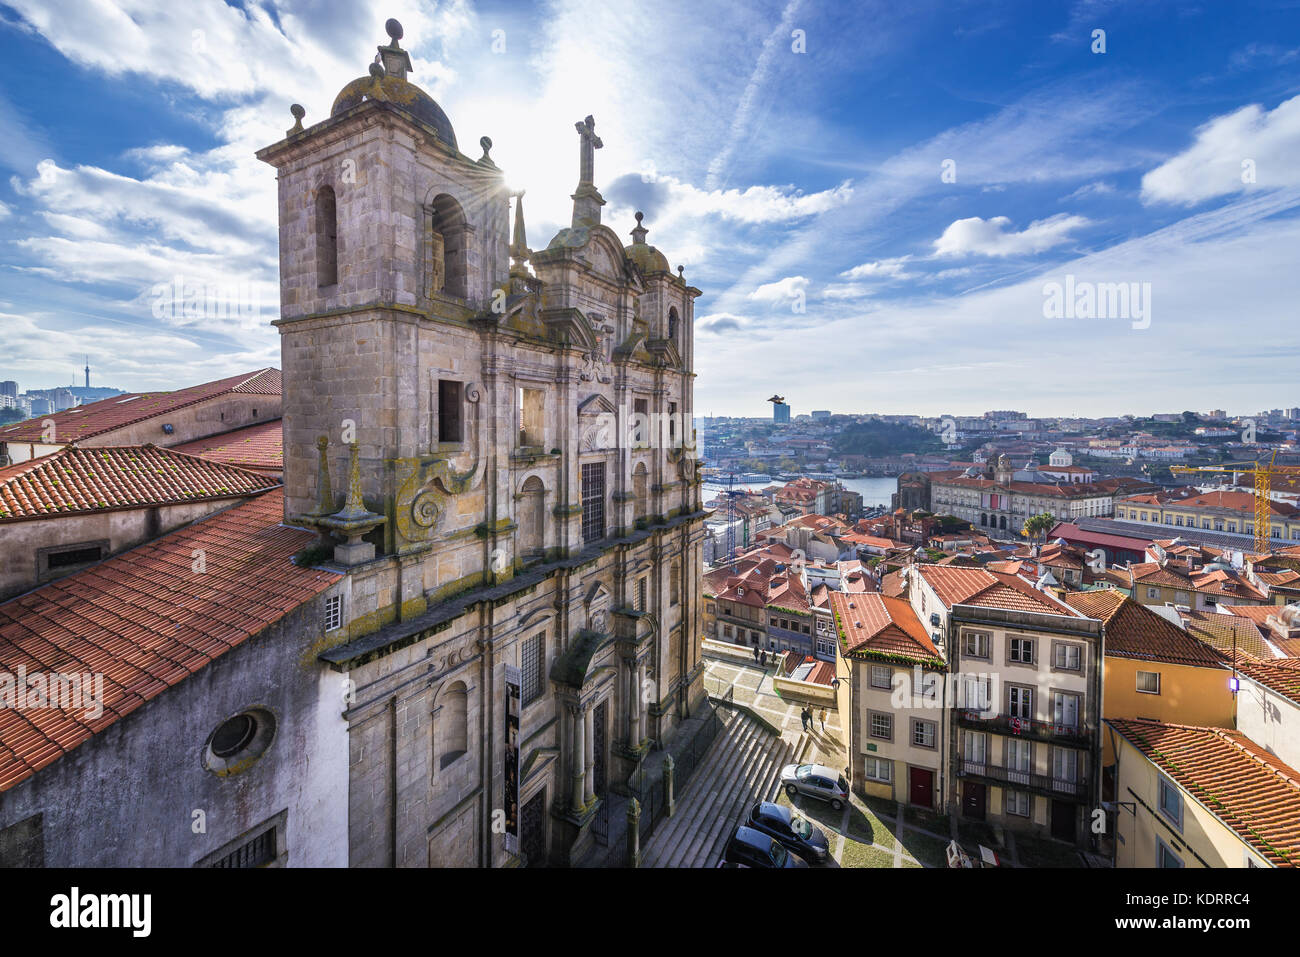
(921, 791)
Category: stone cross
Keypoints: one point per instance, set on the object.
(590, 143)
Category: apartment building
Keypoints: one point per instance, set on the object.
(1025, 747)
(892, 698)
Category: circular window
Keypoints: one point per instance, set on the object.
(239, 741)
(234, 735)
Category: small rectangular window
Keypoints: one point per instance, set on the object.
(449, 411)
(882, 676)
(532, 663)
(1068, 657)
(593, 502)
(73, 556)
(1148, 682)
(333, 612)
(1021, 650)
(882, 726)
(532, 417)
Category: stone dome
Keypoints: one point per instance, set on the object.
(402, 94)
(646, 258)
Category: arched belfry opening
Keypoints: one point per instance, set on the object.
(446, 247)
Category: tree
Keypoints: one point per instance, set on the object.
(1037, 525)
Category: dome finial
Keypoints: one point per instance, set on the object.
(486, 143)
(639, 233)
(298, 113)
(397, 62)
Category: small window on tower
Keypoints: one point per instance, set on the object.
(449, 411)
(327, 238)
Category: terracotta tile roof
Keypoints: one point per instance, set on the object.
(894, 584)
(1281, 675)
(872, 624)
(1153, 573)
(1135, 631)
(1223, 633)
(86, 421)
(956, 585)
(1250, 790)
(146, 621)
(259, 447)
(75, 480)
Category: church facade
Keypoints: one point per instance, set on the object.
(495, 445)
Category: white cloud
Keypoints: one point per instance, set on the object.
(992, 237)
(781, 292)
(1090, 190)
(757, 204)
(1252, 139)
(880, 269)
(846, 290)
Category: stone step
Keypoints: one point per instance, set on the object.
(761, 788)
(723, 754)
(740, 769)
(728, 752)
(708, 807)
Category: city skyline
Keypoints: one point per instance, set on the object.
(1024, 151)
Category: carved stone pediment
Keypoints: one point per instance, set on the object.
(665, 352)
(570, 327)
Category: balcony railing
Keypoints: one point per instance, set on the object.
(1074, 735)
(1042, 783)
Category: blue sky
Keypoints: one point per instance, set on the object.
(791, 156)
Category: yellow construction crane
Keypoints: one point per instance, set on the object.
(1263, 473)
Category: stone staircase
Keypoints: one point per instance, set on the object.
(740, 769)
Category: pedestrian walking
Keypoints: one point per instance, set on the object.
(756, 654)
(806, 717)
(821, 716)
(762, 659)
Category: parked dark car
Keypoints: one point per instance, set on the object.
(753, 848)
(796, 833)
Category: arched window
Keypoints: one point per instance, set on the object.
(446, 245)
(532, 518)
(984, 518)
(1002, 522)
(327, 238)
(672, 322)
(640, 494)
(451, 725)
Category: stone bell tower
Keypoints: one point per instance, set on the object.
(386, 229)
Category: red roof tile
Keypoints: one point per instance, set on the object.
(1281, 675)
(1250, 790)
(875, 624)
(1135, 631)
(259, 447)
(74, 480)
(145, 621)
(86, 421)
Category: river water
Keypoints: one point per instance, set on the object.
(875, 491)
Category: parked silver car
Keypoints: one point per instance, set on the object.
(817, 781)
